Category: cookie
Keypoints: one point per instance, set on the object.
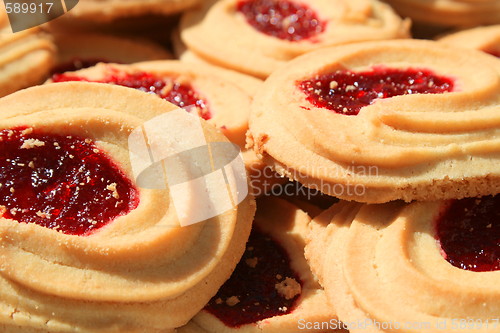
(486, 39)
(380, 121)
(422, 267)
(272, 288)
(461, 13)
(221, 97)
(245, 36)
(85, 247)
(26, 57)
(82, 50)
(109, 10)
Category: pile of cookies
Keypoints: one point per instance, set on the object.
(368, 162)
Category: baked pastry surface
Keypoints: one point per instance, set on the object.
(108, 10)
(486, 39)
(26, 57)
(220, 96)
(272, 288)
(81, 50)
(141, 271)
(464, 13)
(317, 23)
(384, 265)
(379, 121)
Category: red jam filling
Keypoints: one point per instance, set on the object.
(76, 64)
(181, 94)
(468, 231)
(282, 19)
(346, 92)
(60, 182)
(251, 293)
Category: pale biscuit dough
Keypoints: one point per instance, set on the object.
(481, 38)
(381, 264)
(413, 147)
(227, 93)
(108, 48)
(463, 13)
(140, 273)
(288, 225)
(221, 35)
(26, 57)
(108, 10)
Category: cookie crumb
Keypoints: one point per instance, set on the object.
(112, 187)
(232, 301)
(32, 143)
(43, 215)
(27, 131)
(218, 301)
(252, 262)
(288, 288)
(334, 84)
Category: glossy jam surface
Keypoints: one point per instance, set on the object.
(76, 64)
(181, 94)
(288, 20)
(60, 182)
(468, 231)
(252, 285)
(346, 92)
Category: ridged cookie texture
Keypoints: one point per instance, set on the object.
(411, 147)
(384, 271)
(108, 10)
(80, 49)
(142, 272)
(465, 13)
(286, 225)
(220, 96)
(207, 30)
(26, 57)
(486, 39)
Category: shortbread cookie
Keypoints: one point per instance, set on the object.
(82, 246)
(272, 288)
(379, 121)
(108, 10)
(219, 101)
(82, 50)
(26, 57)
(424, 267)
(259, 36)
(221, 97)
(463, 13)
(486, 39)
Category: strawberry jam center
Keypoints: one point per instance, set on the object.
(346, 92)
(181, 94)
(251, 294)
(60, 182)
(468, 231)
(282, 19)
